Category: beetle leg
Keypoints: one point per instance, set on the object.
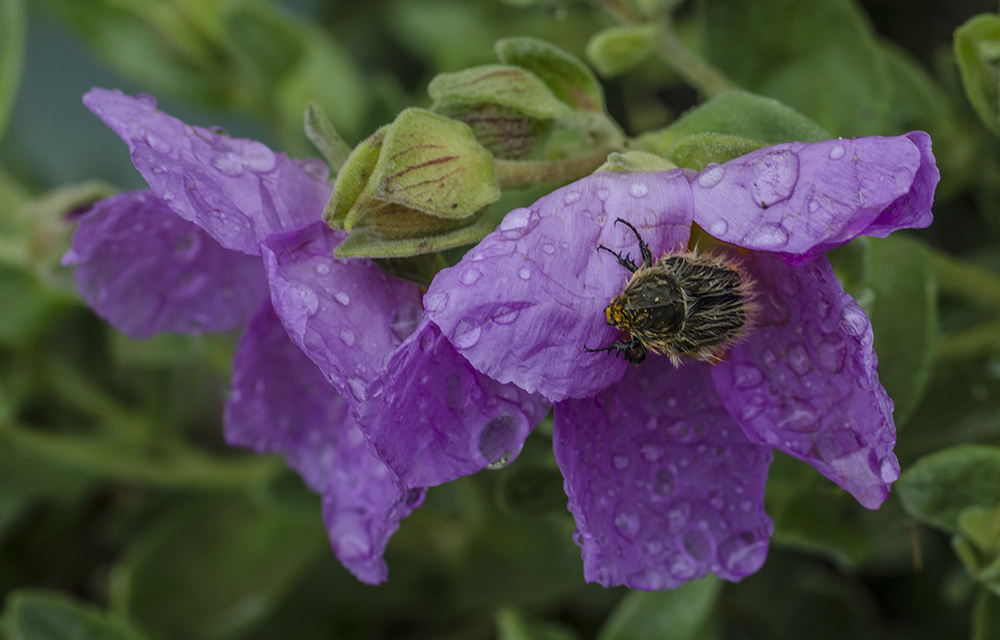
(633, 350)
(647, 256)
(625, 262)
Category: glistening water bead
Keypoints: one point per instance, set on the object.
(684, 304)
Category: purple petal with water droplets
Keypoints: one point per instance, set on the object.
(236, 189)
(804, 381)
(663, 484)
(524, 304)
(280, 402)
(347, 315)
(433, 418)
(803, 199)
(145, 270)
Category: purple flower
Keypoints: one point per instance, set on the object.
(665, 467)
(335, 353)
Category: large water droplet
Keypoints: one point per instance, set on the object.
(682, 567)
(888, 469)
(466, 335)
(309, 299)
(435, 302)
(603, 193)
(742, 555)
(228, 163)
(517, 223)
(315, 168)
(146, 99)
(746, 376)
(628, 523)
(571, 197)
(342, 298)
(156, 143)
(665, 483)
(505, 315)
(799, 360)
(837, 152)
(347, 336)
(256, 156)
(638, 190)
(652, 452)
(678, 516)
(711, 175)
(774, 177)
(470, 276)
(548, 248)
(404, 322)
(621, 461)
(524, 273)
(497, 441)
(698, 544)
(854, 321)
(767, 236)
(718, 227)
(358, 388)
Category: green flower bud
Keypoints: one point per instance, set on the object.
(636, 161)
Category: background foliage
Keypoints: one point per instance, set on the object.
(124, 516)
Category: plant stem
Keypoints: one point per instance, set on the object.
(967, 281)
(981, 339)
(690, 66)
(523, 173)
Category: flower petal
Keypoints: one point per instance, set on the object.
(662, 482)
(238, 190)
(281, 402)
(803, 199)
(525, 303)
(145, 270)
(805, 379)
(346, 315)
(433, 418)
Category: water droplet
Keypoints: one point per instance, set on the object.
(404, 321)
(146, 99)
(718, 227)
(470, 276)
(357, 387)
(227, 163)
(156, 143)
(466, 335)
(767, 236)
(682, 567)
(603, 193)
(903, 178)
(621, 462)
(799, 360)
(678, 516)
(741, 557)
(159, 169)
(627, 523)
(497, 441)
(167, 196)
(549, 249)
(347, 336)
(186, 247)
(888, 469)
(746, 376)
(571, 197)
(666, 483)
(524, 273)
(716, 500)
(652, 452)
(638, 190)
(814, 206)
(322, 269)
(504, 315)
(652, 547)
(854, 321)
(309, 299)
(680, 430)
(342, 298)
(751, 411)
(517, 223)
(435, 302)
(711, 175)
(746, 506)
(837, 152)
(255, 156)
(774, 177)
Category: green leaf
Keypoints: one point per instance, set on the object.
(818, 56)
(681, 614)
(618, 49)
(12, 30)
(570, 80)
(940, 486)
(982, 526)
(512, 625)
(904, 318)
(353, 178)
(977, 51)
(696, 151)
(29, 306)
(736, 113)
(324, 135)
(986, 616)
(264, 38)
(34, 614)
(215, 568)
(370, 240)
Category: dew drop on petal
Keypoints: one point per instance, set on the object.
(837, 152)
(404, 321)
(347, 336)
(746, 376)
(799, 360)
(665, 484)
(156, 143)
(315, 168)
(638, 190)
(853, 320)
(517, 223)
(682, 567)
(470, 276)
(718, 227)
(342, 298)
(548, 248)
(768, 236)
(186, 247)
(678, 516)
(524, 273)
(711, 175)
(742, 555)
(603, 193)
(358, 388)
(436, 302)
(497, 440)
(621, 461)
(628, 523)
(466, 335)
(888, 469)
(227, 163)
(504, 315)
(309, 299)
(322, 269)
(256, 156)
(774, 177)
(571, 197)
(652, 452)
(146, 99)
